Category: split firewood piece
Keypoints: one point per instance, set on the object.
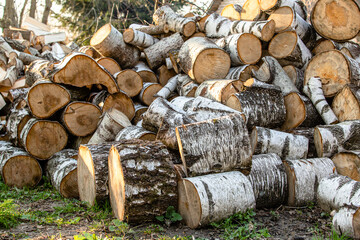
(129, 81)
(296, 75)
(346, 221)
(109, 64)
(139, 110)
(214, 197)
(313, 90)
(120, 101)
(286, 19)
(217, 26)
(92, 172)
(286, 145)
(174, 58)
(26, 58)
(156, 54)
(348, 164)
(168, 88)
(45, 98)
(112, 122)
(309, 134)
(241, 73)
(232, 12)
(145, 72)
(251, 11)
(80, 70)
(108, 41)
(243, 48)
(336, 192)
(136, 132)
(203, 153)
(164, 74)
(323, 45)
(202, 59)
(303, 178)
(331, 139)
(346, 104)
(269, 6)
(219, 89)
(81, 118)
(90, 51)
(15, 123)
(262, 104)
(61, 169)
(264, 30)
(269, 180)
(136, 168)
(6, 48)
(337, 21)
(151, 29)
(17, 167)
(8, 77)
(138, 38)
(335, 70)
(148, 91)
(43, 138)
(3, 61)
(17, 63)
(176, 23)
(288, 48)
(186, 86)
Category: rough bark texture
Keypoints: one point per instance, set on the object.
(15, 123)
(146, 185)
(136, 132)
(309, 134)
(38, 69)
(346, 222)
(286, 145)
(303, 178)
(216, 145)
(269, 180)
(217, 26)
(213, 197)
(348, 164)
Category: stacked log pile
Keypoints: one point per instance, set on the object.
(215, 114)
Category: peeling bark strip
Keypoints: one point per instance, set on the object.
(346, 104)
(92, 172)
(217, 26)
(219, 89)
(108, 41)
(314, 91)
(43, 138)
(17, 167)
(269, 180)
(138, 38)
(286, 145)
(15, 123)
(142, 180)
(303, 178)
(176, 23)
(112, 122)
(269, 6)
(331, 139)
(337, 191)
(241, 73)
(264, 30)
(211, 198)
(348, 164)
(61, 169)
(186, 86)
(262, 104)
(346, 221)
(168, 88)
(37, 69)
(80, 70)
(136, 132)
(202, 59)
(216, 145)
(157, 53)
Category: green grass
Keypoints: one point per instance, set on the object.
(9, 214)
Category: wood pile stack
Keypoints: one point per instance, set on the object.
(215, 114)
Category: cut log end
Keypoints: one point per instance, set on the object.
(267, 4)
(346, 104)
(69, 185)
(268, 31)
(148, 76)
(189, 29)
(295, 111)
(283, 44)
(348, 164)
(129, 81)
(283, 18)
(318, 142)
(100, 35)
(109, 64)
(229, 11)
(128, 35)
(249, 48)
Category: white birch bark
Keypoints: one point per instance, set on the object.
(242, 73)
(16, 120)
(218, 89)
(169, 87)
(346, 222)
(186, 86)
(142, 67)
(132, 132)
(152, 30)
(6, 48)
(297, 5)
(264, 30)
(217, 26)
(139, 39)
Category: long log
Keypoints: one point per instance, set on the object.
(151, 29)
(346, 104)
(348, 164)
(213, 197)
(138, 38)
(264, 30)
(136, 169)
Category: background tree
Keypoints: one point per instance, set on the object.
(10, 17)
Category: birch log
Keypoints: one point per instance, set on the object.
(142, 180)
(186, 86)
(346, 103)
(17, 167)
(145, 72)
(151, 29)
(61, 169)
(112, 122)
(296, 75)
(219, 89)
(346, 222)
(202, 59)
(176, 23)
(241, 73)
(135, 132)
(232, 11)
(213, 197)
(108, 41)
(264, 30)
(307, 132)
(348, 164)
(303, 178)
(286, 145)
(129, 81)
(138, 38)
(269, 6)
(164, 74)
(139, 110)
(313, 89)
(15, 123)
(331, 139)
(148, 92)
(38, 69)
(269, 180)
(350, 48)
(217, 26)
(251, 11)
(168, 88)
(6, 48)
(216, 145)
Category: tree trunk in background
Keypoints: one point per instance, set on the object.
(10, 16)
(22, 12)
(32, 8)
(47, 10)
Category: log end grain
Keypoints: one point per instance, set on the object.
(348, 164)
(295, 111)
(129, 81)
(249, 48)
(69, 185)
(109, 64)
